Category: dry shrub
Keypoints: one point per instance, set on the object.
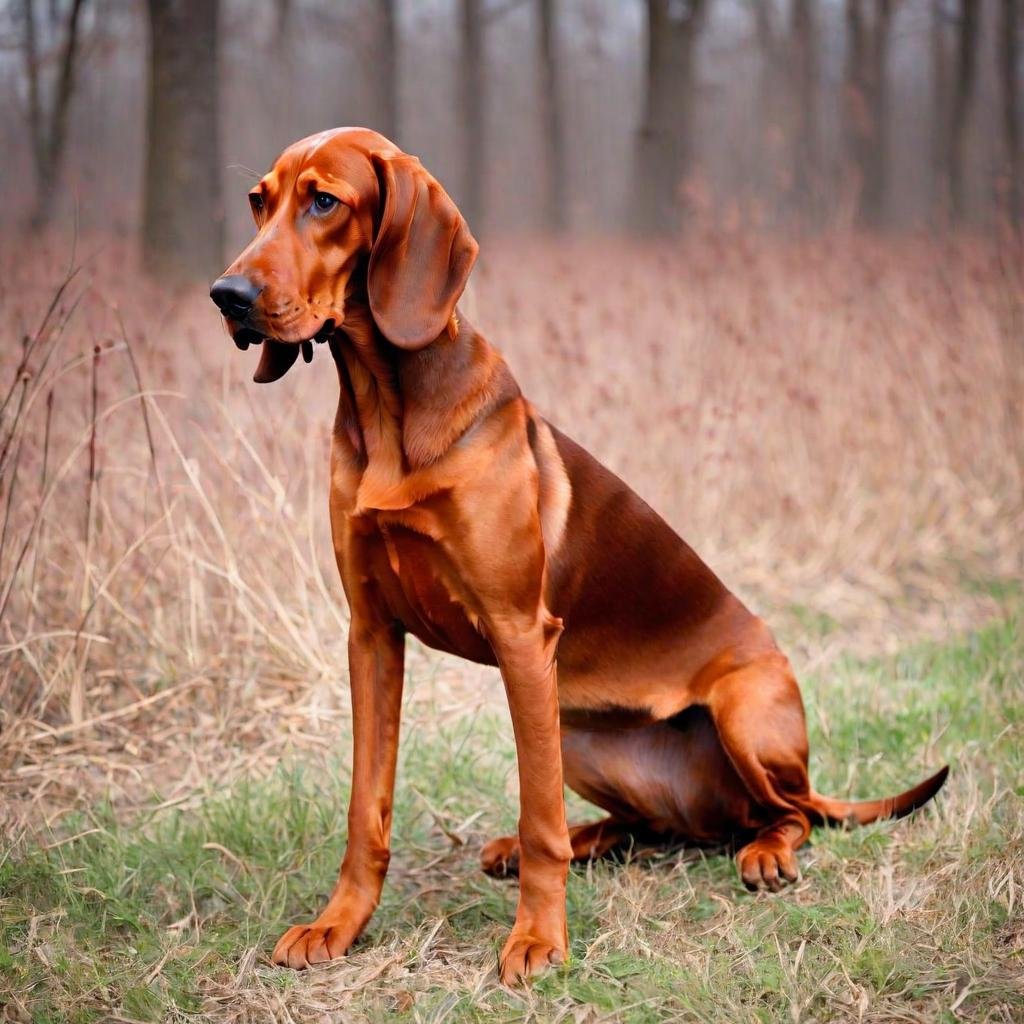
(834, 423)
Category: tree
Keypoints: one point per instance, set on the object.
(788, 91)
(387, 69)
(472, 93)
(48, 120)
(867, 105)
(940, 105)
(664, 153)
(282, 19)
(804, 98)
(966, 72)
(556, 213)
(767, 157)
(183, 217)
(1011, 107)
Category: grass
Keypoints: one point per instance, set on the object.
(169, 914)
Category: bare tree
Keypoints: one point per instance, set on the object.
(387, 68)
(940, 104)
(867, 105)
(1008, 59)
(803, 90)
(184, 219)
(556, 214)
(471, 86)
(768, 157)
(48, 119)
(664, 153)
(279, 79)
(764, 29)
(966, 72)
(282, 18)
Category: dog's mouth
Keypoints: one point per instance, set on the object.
(244, 336)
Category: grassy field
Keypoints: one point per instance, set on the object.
(170, 913)
(834, 424)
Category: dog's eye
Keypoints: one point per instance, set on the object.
(256, 202)
(323, 202)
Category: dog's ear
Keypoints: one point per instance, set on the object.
(275, 360)
(421, 257)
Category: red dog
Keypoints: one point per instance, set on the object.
(462, 516)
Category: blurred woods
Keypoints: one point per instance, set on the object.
(590, 116)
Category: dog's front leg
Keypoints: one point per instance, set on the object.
(375, 653)
(525, 651)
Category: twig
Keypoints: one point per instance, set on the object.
(48, 425)
(145, 405)
(76, 700)
(110, 716)
(36, 523)
(30, 347)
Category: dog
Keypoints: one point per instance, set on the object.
(460, 515)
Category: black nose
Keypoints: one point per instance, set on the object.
(234, 295)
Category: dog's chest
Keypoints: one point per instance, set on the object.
(423, 590)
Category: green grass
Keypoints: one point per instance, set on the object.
(171, 914)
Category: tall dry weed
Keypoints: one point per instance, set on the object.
(835, 423)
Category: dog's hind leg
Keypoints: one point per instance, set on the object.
(734, 765)
(669, 780)
(500, 857)
(759, 717)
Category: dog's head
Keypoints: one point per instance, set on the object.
(341, 217)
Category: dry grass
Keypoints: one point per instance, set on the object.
(834, 424)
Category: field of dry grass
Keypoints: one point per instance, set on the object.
(835, 424)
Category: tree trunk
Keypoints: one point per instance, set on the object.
(556, 213)
(279, 57)
(804, 96)
(966, 64)
(867, 106)
(876, 186)
(769, 159)
(472, 89)
(282, 19)
(48, 127)
(1011, 110)
(35, 107)
(664, 152)
(184, 217)
(940, 110)
(387, 69)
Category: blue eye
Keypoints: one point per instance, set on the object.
(324, 203)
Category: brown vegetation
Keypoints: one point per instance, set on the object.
(832, 423)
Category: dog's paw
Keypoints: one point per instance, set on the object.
(307, 944)
(526, 955)
(767, 863)
(500, 857)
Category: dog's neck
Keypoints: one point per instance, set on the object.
(400, 411)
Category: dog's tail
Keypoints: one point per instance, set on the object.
(863, 812)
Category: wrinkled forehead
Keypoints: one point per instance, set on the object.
(337, 161)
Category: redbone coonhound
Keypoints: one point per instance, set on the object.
(462, 516)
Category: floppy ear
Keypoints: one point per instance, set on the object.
(275, 360)
(421, 256)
